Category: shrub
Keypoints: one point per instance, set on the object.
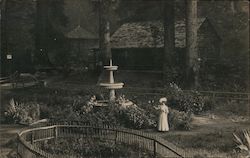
(89, 147)
(190, 102)
(63, 111)
(235, 107)
(22, 112)
(243, 142)
(136, 117)
(139, 116)
(179, 120)
(114, 114)
(209, 103)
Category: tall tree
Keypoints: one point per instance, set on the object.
(42, 31)
(105, 9)
(169, 38)
(3, 37)
(17, 22)
(49, 38)
(192, 62)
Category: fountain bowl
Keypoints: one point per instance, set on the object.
(112, 85)
(111, 68)
(102, 103)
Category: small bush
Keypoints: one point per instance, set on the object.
(190, 102)
(209, 103)
(140, 116)
(179, 120)
(235, 107)
(136, 117)
(130, 117)
(22, 112)
(88, 147)
(243, 142)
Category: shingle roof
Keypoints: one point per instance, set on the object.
(80, 33)
(148, 34)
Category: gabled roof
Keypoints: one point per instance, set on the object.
(148, 34)
(80, 33)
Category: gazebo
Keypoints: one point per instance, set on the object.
(83, 43)
(140, 45)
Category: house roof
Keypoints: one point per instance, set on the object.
(148, 34)
(80, 33)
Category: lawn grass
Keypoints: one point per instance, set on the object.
(214, 140)
(223, 141)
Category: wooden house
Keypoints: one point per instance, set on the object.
(83, 43)
(139, 45)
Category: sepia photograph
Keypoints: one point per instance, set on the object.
(124, 79)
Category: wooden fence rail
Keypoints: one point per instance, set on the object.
(163, 91)
(29, 139)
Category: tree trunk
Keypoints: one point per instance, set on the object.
(104, 32)
(248, 82)
(108, 54)
(192, 64)
(3, 24)
(101, 34)
(232, 3)
(4, 38)
(42, 24)
(169, 39)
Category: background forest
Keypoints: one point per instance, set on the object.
(34, 30)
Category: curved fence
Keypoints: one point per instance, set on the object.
(28, 140)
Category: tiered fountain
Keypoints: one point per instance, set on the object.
(111, 85)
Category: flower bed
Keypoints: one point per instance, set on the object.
(89, 147)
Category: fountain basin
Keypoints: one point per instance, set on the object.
(111, 68)
(127, 103)
(101, 103)
(112, 85)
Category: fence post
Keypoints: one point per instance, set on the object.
(17, 145)
(116, 136)
(213, 94)
(32, 137)
(248, 104)
(55, 132)
(155, 148)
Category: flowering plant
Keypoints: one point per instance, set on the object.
(243, 142)
(22, 112)
(137, 117)
(187, 101)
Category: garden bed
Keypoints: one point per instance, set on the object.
(59, 101)
(90, 147)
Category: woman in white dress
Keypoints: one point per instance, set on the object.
(163, 118)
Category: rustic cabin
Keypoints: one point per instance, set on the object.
(139, 45)
(83, 44)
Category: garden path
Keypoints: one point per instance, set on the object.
(8, 133)
(208, 124)
(210, 134)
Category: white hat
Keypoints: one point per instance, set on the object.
(163, 100)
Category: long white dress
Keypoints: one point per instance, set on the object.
(163, 118)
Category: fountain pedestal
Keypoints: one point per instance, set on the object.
(111, 85)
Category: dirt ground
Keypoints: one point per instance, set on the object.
(211, 135)
(8, 134)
